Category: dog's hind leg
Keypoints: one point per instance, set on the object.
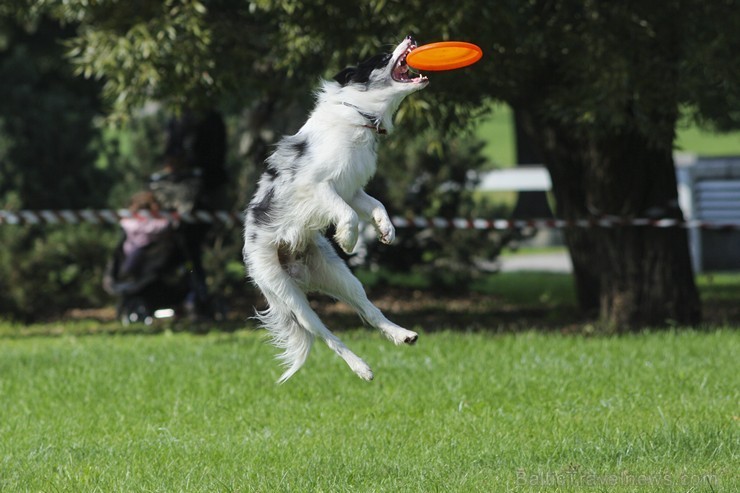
(330, 275)
(293, 323)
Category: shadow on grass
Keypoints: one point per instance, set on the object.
(499, 303)
(472, 311)
(504, 302)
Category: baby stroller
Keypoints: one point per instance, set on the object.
(168, 278)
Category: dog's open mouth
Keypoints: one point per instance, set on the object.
(402, 72)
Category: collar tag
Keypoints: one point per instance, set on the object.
(374, 123)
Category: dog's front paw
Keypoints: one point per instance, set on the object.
(386, 231)
(346, 237)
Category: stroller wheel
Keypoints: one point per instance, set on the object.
(135, 311)
(133, 318)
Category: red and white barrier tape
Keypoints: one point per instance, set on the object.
(107, 216)
(597, 222)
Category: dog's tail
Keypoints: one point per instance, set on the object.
(287, 334)
(283, 297)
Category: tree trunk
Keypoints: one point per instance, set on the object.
(570, 202)
(635, 276)
(529, 203)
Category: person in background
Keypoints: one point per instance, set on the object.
(141, 230)
(194, 179)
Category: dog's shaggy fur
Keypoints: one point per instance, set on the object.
(315, 179)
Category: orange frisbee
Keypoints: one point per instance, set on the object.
(445, 55)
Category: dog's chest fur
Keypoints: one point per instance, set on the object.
(343, 143)
(338, 153)
(332, 150)
(352, 164)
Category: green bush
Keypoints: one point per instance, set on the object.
(431, 175)
(45, 271)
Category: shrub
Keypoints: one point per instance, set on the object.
(45, 271)
(434, 176)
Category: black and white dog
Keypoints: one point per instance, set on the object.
(315, 179)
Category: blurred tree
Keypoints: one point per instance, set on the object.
(598, 89)
(46, 121)
(597, 86)
(47, 160)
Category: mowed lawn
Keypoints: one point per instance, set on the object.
(531, 411)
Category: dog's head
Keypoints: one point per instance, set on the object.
(385, 71)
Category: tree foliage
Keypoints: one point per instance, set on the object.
(583, 63)
(46, 122)
(48, 159)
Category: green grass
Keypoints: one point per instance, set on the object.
(704, 142)
(457, 412)
(529, 288)
(96, 408)
(497, 130)
(719, 286)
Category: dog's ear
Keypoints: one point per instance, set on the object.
(345, 76)
(361, 73)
